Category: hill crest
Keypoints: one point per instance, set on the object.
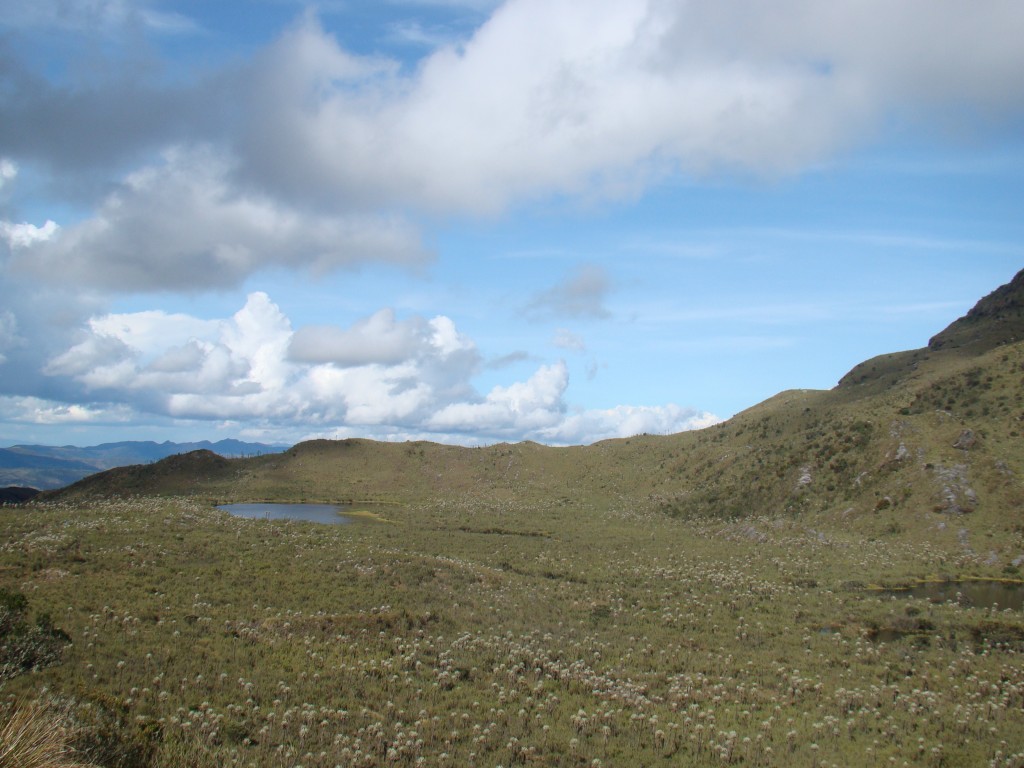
(995, 320)
(903, 437)
(48, 467)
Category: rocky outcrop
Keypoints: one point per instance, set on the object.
(956, 496)
(995, 320)
(966, 440)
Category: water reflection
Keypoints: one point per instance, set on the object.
(311, 513)
(978, 594)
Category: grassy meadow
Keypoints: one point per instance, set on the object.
(702, 599)
(474, 633)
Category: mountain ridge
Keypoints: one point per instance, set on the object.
(995, 320)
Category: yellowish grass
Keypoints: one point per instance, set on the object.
(32, 736)
(365, 514)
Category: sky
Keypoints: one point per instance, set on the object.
(472, 221)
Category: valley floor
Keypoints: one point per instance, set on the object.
(476, 634)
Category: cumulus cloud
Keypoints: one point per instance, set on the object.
(20, 235)
(563, 96)
(37, 324)
(182, 226)
(24, 234)
(301, 155)
(154, 329)
(254, 367)
(307, 156)
(522, 407)
(93, 360)
(377, 339)
(551, 96)
(626, 421)
(8, 171)
(35, 410)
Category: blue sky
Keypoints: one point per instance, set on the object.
(471, 221)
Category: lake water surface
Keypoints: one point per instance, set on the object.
(311, 513)
(980, 594)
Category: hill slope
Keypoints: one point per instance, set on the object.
(26, 469)
(924, 437)
(47, 466)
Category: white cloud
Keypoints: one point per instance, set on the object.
(35, 410)
(8, 171)
(626, 421)
(93, 359)
(183, 225)
(301, 156)
(37, 325)
(147, 355)
(154, 329)
(311, 157)
(377, 339)
(522, 407)
(253, 368)
(408, 32)
(259, 335)
(564, 96)
(25, 235)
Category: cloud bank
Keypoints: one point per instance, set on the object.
(388, 378)
(324, 155)
(181, 226)
(301, 155)
(571, 97)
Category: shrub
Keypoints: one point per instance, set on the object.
(25, 646)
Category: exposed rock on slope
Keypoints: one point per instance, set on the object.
(995, 320)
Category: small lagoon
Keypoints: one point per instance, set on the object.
(999, 595)
(311, 513)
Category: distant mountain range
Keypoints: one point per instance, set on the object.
(47, 466)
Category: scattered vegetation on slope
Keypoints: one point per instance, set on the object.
(696, 599)
(475, 633)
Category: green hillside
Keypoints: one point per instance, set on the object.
(729, 597)
(903, 436)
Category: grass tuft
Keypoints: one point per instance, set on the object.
(33, 736)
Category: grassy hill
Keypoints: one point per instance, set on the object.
(722, 597)
(50, 466)
(903, 436)
(17, 468)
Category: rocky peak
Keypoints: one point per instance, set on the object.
(995, 320)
